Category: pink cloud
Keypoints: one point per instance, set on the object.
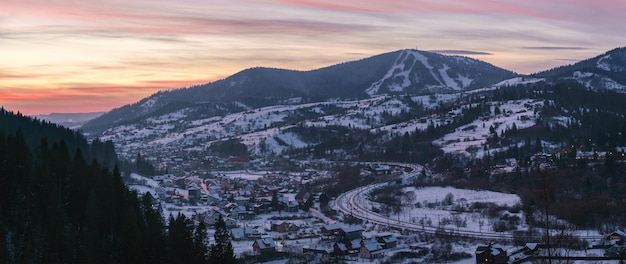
(88, 18)
(570, 10)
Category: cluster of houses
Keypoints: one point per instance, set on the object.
(348, 240)
(494, 253)
(337, 240)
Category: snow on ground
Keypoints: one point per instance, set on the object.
(397, 70)
(142, 189)
(241, 175)
(602, 64)
(434, 194)
(518, 80)
(447, 79)
(469, 139)
(432, 216)
(144, 180)
(167, 118)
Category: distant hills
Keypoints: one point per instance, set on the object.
(392, 94)
(399, 72)
(69, 120)
(411, 72)
(606, 71)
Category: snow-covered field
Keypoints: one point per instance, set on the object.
(428, 208)
(471, 138)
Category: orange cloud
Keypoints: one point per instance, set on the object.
(79, 97)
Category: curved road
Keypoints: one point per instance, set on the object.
(352, 202)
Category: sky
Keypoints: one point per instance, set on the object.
(85, 56)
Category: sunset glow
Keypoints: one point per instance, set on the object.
(83, 56)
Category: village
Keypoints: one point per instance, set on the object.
(273, 215)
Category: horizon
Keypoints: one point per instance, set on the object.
(88, 56)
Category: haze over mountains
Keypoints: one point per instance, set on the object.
(69, 120)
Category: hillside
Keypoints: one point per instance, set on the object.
(400, 72)
(606, 71)
(56, 206)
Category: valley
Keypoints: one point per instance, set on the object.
(408, 147)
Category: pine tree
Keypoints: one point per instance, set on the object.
(180, 244)
(323, 201)
(222, 251)
(200, 242)
(274, 203)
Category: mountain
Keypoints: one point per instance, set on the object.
(70, 120)
(399, 72)
(606, 71)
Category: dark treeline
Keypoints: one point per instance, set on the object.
(56, 207)
(34, 130)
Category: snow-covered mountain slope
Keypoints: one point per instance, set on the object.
(401, 72)
(273, 129)
(418, 71)
(379, 99)
(603, 72)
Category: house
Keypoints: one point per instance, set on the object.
(291, 206)
(261, 208)
(347, 248)
(525, 253)
(512, 162)
(331, 229)
(244, 233)
(279, 226)
(193, 194)
(211, 198)
(229, 207)
(616, 237)
(211, 217)
(238, 212)
(271, 190)
(387, 241)
(241, 200)
(491, 254)
(350, 233)
(370, 250)
(531, 248)
(264, 246)
(303, 196)
(246, 215)
(340, 249)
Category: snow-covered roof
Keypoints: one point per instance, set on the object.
(350, 229)
(332, 227)
(372, 246)
(265, 243)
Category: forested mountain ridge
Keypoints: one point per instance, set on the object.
(399, 72)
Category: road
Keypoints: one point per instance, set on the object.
(353, 203)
